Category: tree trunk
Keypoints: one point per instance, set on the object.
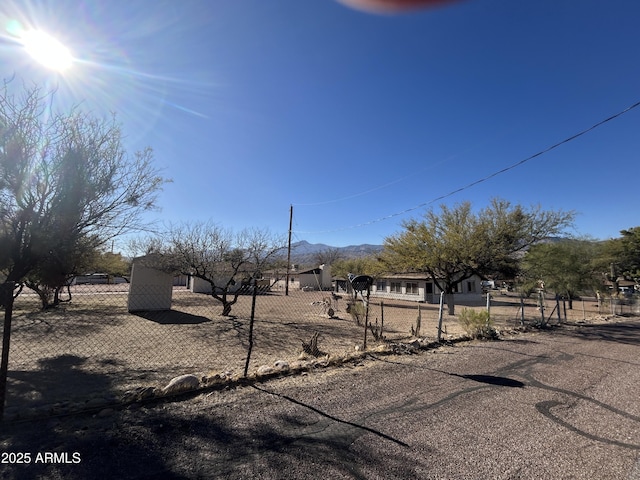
(43, 292)
(57, 300)
(451, 303)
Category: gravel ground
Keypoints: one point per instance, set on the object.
(551, 404)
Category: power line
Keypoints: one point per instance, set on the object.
(483, 179)
(392, 182)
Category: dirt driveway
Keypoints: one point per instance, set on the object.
(552, 404)
(92, 351)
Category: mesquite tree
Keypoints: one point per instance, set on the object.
(66, 184)
(457, 243)
(566, 267)
(226, 260)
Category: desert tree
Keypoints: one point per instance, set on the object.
(65, 181)
(622, 254)
(567, 266)
(51, 276)
(369, 265)
(51, 279)
(456, 243)
(225, 259)
(65, 178)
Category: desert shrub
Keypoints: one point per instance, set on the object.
(477, 323)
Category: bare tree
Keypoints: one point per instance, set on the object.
(328, 256)
(227, 261)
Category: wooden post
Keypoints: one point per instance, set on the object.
(381, 317)
(558, 307)
(489, 304)
(522, 310)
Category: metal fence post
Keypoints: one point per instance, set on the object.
(7, 301)
(251, 321)
(440, 316)
(366, 319)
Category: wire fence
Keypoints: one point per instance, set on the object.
(92, 352)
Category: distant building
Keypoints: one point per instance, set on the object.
(318, 278)
(419, 287)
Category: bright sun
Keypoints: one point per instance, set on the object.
(47, 50)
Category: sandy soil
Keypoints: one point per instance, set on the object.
(91, 351)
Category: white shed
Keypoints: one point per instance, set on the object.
(149, 289)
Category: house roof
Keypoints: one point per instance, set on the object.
(406, 276)
(313, 271)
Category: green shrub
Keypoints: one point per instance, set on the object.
(477, 323)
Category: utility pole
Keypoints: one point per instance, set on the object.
(286, 286)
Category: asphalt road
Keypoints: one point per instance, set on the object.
(561, 404)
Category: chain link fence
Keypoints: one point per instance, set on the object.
(92, 352)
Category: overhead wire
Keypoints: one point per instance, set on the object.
(481, 180)
(385, 185)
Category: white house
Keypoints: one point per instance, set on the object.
(318, 278)
(419, 287)
(197, 285)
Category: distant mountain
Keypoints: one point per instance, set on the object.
(304, 253)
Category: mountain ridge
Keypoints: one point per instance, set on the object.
(303, 252)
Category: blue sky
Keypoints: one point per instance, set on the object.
(357, 120)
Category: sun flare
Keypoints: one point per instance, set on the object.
(46, 50)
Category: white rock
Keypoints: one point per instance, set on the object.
(265, 370)
(282, 365)
(182, 383)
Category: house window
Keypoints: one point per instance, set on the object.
(429, 288)
(412, 288)
(381, 286)
(471, 286)
(396, 287)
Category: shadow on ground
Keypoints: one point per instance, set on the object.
(624, 332)
(60, 378)
(163, 442)
(171, 317)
